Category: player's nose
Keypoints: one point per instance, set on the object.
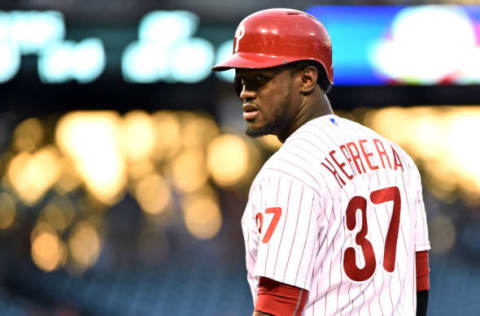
(247, 93)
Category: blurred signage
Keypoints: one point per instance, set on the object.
(432, 44)
(372, 45)
(166, 50)
(43, 33)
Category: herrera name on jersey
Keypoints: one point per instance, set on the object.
(351, 153)
(338, 211)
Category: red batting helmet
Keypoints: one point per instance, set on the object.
(275, 37)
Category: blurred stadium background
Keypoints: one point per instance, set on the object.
(124, 169)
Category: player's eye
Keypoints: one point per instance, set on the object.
(260, 78)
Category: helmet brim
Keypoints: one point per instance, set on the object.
(257, 61)
(251, 61)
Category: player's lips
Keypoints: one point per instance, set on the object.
(250, 110)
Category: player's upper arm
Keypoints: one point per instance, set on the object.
(287, 216)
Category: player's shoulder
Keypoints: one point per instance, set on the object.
(312, 140)
(297, 159)
(293, 167)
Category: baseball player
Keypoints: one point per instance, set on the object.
(335, 222)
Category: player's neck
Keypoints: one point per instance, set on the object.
(310, 109)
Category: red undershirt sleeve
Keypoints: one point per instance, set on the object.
(280, 299)
(423, 282)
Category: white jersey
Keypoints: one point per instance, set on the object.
(338, 211)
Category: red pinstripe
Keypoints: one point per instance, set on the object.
(383, 240)
(341, 279)
(396, 263)
(293, 177)
(294, 235)
(283, 228)
(268, 246)
(402, 284)
(306, 240)
(321, 264)
(301, 168)
(403, 238)
(248, 242)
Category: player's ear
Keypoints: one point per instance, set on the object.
(308, 77)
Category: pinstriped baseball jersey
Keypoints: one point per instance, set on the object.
(338, 211)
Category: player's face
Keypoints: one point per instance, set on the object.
(267, 97)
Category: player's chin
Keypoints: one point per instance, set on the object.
(258, 130)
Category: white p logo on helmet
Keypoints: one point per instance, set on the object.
(239, 34)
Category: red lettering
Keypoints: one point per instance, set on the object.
(396, 160)
(367, 155)
(344, 150)
(355, 156)
(340, 165)
(382, 153)
(334, 172)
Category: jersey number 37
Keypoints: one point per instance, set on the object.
(354, 272)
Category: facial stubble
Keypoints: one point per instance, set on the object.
(271, 128)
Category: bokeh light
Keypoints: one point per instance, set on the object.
(442, 234)
(170, 155)
(8, 210)
(138, 169)
(48, 251)
(167, 132)
(228, 159)
(28, 135)
(59, 213)
(202, 216)
(440, 140)
(84, 245)
(197, 131)
(188, 170)
(138, 135)
(153, 194)
(91, 141)
(69, 179)
(32, 175)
